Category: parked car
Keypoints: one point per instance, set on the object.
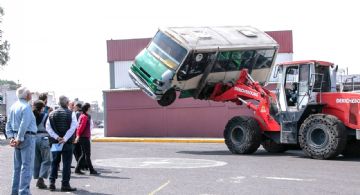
(2, 124)
(101, 124)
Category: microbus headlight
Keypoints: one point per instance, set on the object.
(159, 83)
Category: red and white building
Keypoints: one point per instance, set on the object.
(131, 113)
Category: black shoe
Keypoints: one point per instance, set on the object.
(77, 171)
(93, 172)
(84, 168)
(67, 189)
(52, 187)
(41, 184)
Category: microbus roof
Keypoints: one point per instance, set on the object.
(222, 37)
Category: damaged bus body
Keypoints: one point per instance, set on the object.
(193, 59)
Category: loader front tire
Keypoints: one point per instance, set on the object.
(322, 136)
(242, 135)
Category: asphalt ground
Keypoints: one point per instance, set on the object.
(200, 168)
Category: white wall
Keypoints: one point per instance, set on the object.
(122, 79)
(10, 99)
(284, 57)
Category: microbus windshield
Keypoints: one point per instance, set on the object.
(167, 50)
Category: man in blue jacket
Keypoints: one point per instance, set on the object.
(21, 130)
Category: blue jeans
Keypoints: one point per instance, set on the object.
(23, 166)
(42, 161)
(66, 156)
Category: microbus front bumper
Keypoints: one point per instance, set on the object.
(138, 82)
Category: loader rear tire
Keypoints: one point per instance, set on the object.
(352, 149)
(272, 147)
(242, 135)
(322, 136)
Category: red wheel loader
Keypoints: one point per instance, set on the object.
(305, 109)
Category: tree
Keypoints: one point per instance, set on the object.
(10, 85)
(4, 45)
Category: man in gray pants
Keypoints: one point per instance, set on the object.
(42, 161)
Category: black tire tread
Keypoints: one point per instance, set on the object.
(336, 131)
(252, 133)
(168, 98)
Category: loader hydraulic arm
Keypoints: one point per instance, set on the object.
(245, 89)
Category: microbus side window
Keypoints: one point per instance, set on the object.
(232, 61)
(195, 65)
(249, 59)
(263, 58)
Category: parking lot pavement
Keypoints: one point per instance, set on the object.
(201, 168)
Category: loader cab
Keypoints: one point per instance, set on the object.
(301, 82)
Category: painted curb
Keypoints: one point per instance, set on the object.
(159, 140)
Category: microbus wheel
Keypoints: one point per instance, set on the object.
(168, 98)
(322, 136)
(242, 135)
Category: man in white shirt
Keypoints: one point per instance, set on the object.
(61, 126)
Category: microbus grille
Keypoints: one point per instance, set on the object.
(142, 70)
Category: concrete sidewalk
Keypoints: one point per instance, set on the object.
(97, 135)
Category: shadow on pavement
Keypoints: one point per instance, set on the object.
(110, 177)
(104, 173)
(81, 191)
(4, 142)
(338, 158)
(260, 153)
(206, 152)
(106, 170)
(297, 153)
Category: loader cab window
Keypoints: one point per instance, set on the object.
(322, 79)
(291, 85)
(276, 74)
(304, 78)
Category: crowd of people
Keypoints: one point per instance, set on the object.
(43, 137)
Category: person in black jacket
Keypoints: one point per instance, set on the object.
(61, 127)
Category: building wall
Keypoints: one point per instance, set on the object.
(132, 113)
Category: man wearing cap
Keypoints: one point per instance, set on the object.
(21, 130)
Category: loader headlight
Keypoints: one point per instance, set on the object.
(159, 83)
